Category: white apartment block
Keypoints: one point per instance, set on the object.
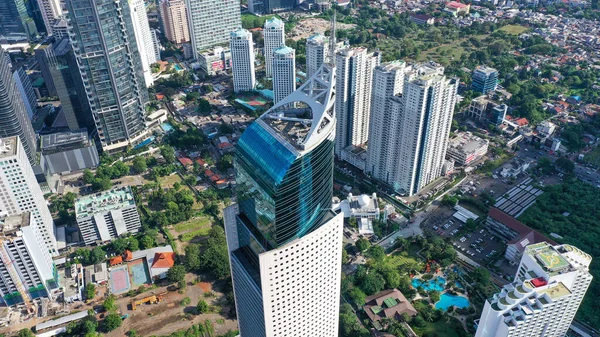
(156, 43)
(242, 59)
(27, 271)
(544, 297)
(284, 72)
(466, 148)
(51, 11)
(353, 96)
(20, 192)
(317, 49)
(274, 37)
(211, 22)
(174, 17)
(411, 136)
(388, 80)
(105, 216)
(143, 38)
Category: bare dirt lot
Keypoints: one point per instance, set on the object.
(309, 27)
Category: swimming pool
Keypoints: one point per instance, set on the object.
(459, 285)
(178, 67)
(167, 127)
(436, 283)
(446, 301)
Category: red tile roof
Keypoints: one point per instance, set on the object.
(163, 260)
(128, 255)
(377, 300)
(200, 162)
(527, 235)
(185, 161)
(522, 122)
(115, 260)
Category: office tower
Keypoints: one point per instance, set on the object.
(353, 100)
(51, 11)
(317, 48)
(544, 297)
(106, 216)
(174, 17)
(20, 191)
(13, 112)
(110, 66)
(274, 37)
(485, 79)
(284, 72)
(59, 67)
(60, 29)
(388, 80)
(410, 131)
(16, 25)
(27, 270)
(40, 52)
(242, 57)
(276, 6)
(499, 114)
(156, 43)
(284, 241)
(143, 38)
(211, 22)
(256, 6)
(25, 90)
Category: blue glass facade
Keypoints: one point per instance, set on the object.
(282, 194)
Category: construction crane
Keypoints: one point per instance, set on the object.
(8, 262)
(150, 299)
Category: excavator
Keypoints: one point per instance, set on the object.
(150, 299)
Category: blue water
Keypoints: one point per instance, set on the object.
(459, 285)
(167, 127)
(178, 67)
(144, 143)
(446, 301)
(436, 283)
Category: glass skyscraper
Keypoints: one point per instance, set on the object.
(284, 241)
(16, 25)
(103, 40)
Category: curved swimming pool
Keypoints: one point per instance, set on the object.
(446, 301)
(436, 283)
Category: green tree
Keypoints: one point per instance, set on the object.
(97, 255)
(362, 245)
(119, 245)
(88, 176)
(192, 257)
(147, 241)
(372, 283)
(112, 321)
(202, 307)
(168, 153)
(357, 295)
(176, 274)
(377, 253)
(565, 165)
(90, 291)
(215, 257)
(133, 244)
(109, 303)
(139, 164)
(25, 333)
(434, 296)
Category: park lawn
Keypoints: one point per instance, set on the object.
(593, 156)
(193, 228)
(514, 29)
(442, 329)
(169, 181)
(452, 51)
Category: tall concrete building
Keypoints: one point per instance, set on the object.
(353, 99)
(51, 12)
(103, 39)
(25, 90)
(174, 17)
(27, 270)
(544, 297)
(270, 6)
(317, 49)
(484, 79)
(16, 25)
(143, 38)
(156, 43)
(59, 66)
(242, 59)
(284, 72)
(106, 216)
(410, 131)
(20, 191)
(211, 22)
(274, 37)
(14, 120)
(285, 243)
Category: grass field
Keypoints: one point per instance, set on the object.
(169, 181)
(593, 156)
(193, 228)
(442, 329)
(452, 51)
(514, 29)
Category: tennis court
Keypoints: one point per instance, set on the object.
(253, 102)
(119, 280)
(139, 273)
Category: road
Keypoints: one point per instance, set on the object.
(412, 229)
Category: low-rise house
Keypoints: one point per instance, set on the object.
(388, 304)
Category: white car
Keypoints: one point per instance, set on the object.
(463, 239)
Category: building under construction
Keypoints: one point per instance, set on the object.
(27, 273)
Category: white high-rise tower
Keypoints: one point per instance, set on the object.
(211, 22)
(143, 37)
(274, 36)
(51, 11)
(317, 50)
(242, 58)
(412, 129)
(353, 99)
(20, 191)
(284, 72)
(544, 297)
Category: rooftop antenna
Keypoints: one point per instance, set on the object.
(332, 40)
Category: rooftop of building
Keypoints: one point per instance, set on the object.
(455, 4)
(467, 142)
(390, 66)
(240, 33)
(103, 202)
(284, 50)
(11, 224)
(317, 38)
(485, 69)
(61, 139)
(388, 304)
(8, 146)
(273, 23)
(555, 291)
(527, 235)
(547, 257)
